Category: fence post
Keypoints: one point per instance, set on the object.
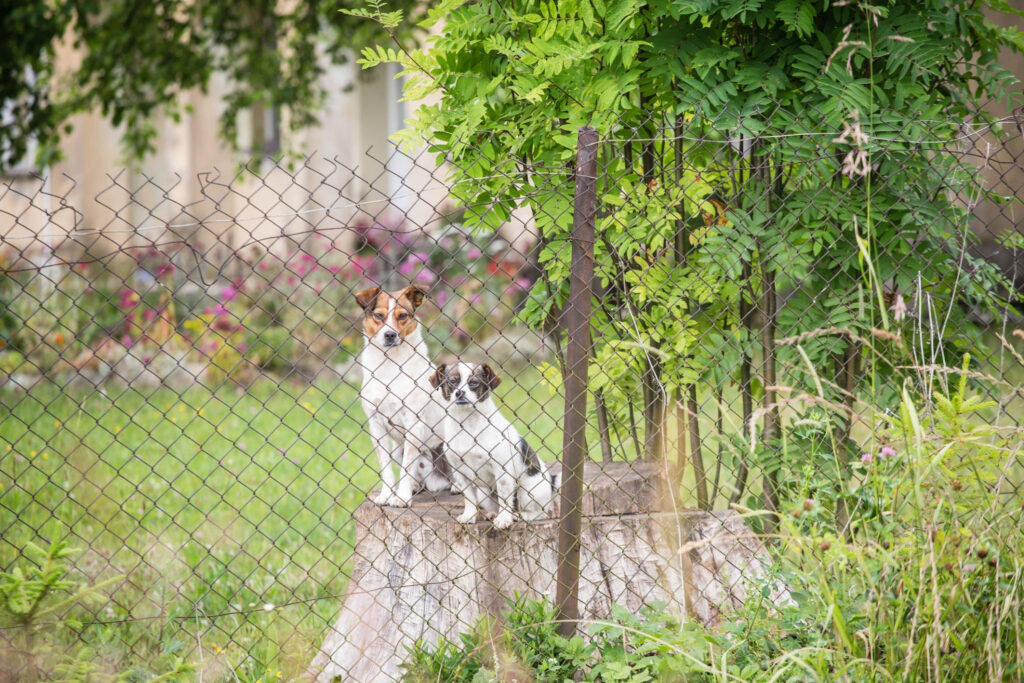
(574, 443)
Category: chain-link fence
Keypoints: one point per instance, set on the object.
(233, 409)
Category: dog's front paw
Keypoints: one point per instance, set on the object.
(382, 498)
(503, 520)
(467, 517)
(397, 501)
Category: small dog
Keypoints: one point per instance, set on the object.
(488, 457)
(404, 414)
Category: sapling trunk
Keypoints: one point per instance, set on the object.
(602, 426)
(769, 304)
(681, 249)
(746, 386)
(847, 369)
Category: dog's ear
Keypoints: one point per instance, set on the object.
(368, 297)
(415, 295)
(437, 378)
(488, 376)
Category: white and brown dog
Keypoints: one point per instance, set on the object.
(403, 411)
(491, 464)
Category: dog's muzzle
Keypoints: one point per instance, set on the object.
(392, 339)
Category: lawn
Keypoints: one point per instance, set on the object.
(210, 504)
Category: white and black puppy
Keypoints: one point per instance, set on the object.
(491, 464)
(404, 412)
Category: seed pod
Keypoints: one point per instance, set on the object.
(956, 485)
(824, 546)
(982, 553)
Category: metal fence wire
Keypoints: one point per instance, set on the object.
(199, 377)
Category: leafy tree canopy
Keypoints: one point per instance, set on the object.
(135, 58)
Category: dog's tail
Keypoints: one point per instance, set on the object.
(529, 456)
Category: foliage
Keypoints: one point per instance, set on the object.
(750, 149)
(138, 59)
(649, 646)
(928, 588)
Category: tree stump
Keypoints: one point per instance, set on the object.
(420, 575)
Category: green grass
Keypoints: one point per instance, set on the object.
(207, 502)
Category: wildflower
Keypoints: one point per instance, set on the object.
(129, 298)
(263, 265)
(441, 297)
(229, 293)
(426, 276)
(290, 280)
(473, 254)
(126, 340)
(362, 264)
(59, 339)
(149, 314)
(164, 269)
(887, 452)
(866, 459)
(406, 267)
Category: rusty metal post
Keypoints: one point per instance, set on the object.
(574, 443)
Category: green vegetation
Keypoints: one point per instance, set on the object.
(183, 506)
(929, 588)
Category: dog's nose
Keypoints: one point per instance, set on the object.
(390, 336)
(459, 393)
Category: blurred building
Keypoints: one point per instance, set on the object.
(344, 170)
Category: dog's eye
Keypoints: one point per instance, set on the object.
(379, 316)
(473, 384)
(402, 316)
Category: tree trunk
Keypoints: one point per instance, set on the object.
(419, 575)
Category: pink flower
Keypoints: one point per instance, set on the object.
(406, 267)
(207, 311)
(425, 276)
(290, 280)
(420, 256)
(888, 452)
(129, 298)
(126, 340)
(866, 459)
(334, 269)
(229, 293)
(362, 264)
(149, 314)
(441, 297)
(164, 269)
(308, 258)
(219, 309)
(242, 347)
(212, 346)
(473, 254)
(263, 265)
